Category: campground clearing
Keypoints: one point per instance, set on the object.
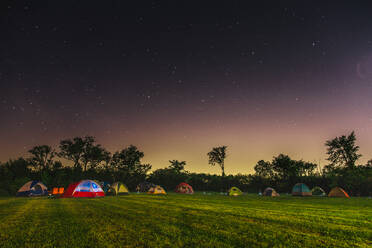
(177, 220)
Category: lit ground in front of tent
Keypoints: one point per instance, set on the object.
(141, 220)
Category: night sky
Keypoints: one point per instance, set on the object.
(177, 78)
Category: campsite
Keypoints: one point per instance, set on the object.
(186, 124)
(171, 207)
(181, 220)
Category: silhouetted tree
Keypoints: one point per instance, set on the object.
(128, 158)
(93, 156)
(127, 166)
(217, 156)
(106, 158)
(42, 158)
(13, 174)
(264, 169)
(342, 151)
(177, 166)
(81, 151)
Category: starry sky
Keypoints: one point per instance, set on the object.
(176, 78)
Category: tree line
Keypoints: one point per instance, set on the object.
(91, 160)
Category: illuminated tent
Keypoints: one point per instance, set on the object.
(118, 188)
(58, 191)
(184, 188)
(55, 191)
(338, 192)
(61, 190)
(301, 189)
(144, 186)
(84, 188)
(234, 191)
(157, 190)
(270, 192)
(318, 191)
(33, 188)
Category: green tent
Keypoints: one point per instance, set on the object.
(318, 191)
(234, 191)
(118, 188)
(300, 189)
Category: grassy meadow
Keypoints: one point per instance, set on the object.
(140, 220)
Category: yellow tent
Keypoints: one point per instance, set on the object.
(119, 188)
(157, 190)
(234, 191)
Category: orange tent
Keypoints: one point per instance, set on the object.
(58, 191)
(338, 192)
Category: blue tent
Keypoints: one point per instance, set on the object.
(33, 188)
(105, 186)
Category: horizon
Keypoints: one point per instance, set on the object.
(164, 162)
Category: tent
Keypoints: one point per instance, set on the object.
(55, 191)
(33, 188)
(105, 186)
(234, 191)
(144, 186)
(118, 188)
(84, 188)
(157, 190)
(301, 189)
(270, 192)
(338, 192)
(58, 191)
(184, 188)
(318, 191)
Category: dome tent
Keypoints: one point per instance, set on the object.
(33, 188)
(318, 191)
(118, 188)
(144, 186)
(301, 189)
(84, 188)
(234, 191)
(338, 192)
(270, 192)
(184, 188)
(105, 186)
(157, 190)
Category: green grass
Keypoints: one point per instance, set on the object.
(140, 220)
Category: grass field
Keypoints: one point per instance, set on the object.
(139, 220)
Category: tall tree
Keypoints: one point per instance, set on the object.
(83, 152)
(93, 156)
(128, 167)
(128, 158)
(288, 169)
(284, 167)
(107, 158)
(342, 151)
(264, 169)
(217, 156)
(177, 166)
(41, 157)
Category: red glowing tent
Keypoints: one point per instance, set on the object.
(184, 188)
(84, 188)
